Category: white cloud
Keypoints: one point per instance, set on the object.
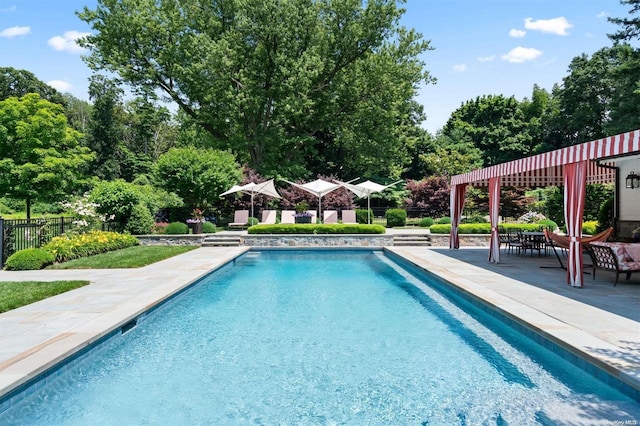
(517, 33)
(487, 58)
(460, 68)
(557, 26)
(67, 41)
(519, 54)
(15, 31)
(8, 9)
(60, 85)
(603, 14)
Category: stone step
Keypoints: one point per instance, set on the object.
(412, 240)
(221, 242)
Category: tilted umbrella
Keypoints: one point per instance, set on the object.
(365, 189)
(264, 188)
(318, 188)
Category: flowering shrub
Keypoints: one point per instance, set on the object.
(67, 247)
(531, 217)
(85, 213)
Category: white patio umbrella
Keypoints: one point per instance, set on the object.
(365, 189)
(318, 188)
(265, 188)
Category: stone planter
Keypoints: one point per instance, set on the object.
(303, 219)
(197, 227)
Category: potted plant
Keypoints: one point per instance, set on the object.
(302, 215)
(196, 221)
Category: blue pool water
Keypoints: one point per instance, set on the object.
(319, 337)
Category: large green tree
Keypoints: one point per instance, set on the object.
(17, 83)
(199, 176)
(495, 125)
(286, 85)
(40, 157)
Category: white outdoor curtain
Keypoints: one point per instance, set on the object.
(494, 214)
(365, 189)
(575, 182)
(458, 193)
(264, 188)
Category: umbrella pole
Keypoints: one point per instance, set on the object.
(319, 208)
(369, 209)
(251, 204)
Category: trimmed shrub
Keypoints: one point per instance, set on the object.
(176, 228)
(481, 228)
(333, 228)
(396, 217)
(548, 223)
(140, 222)
(28, 260)
(426, 222)
(208, 228)
(252, 221)
(68, 247)
(605, 215)
(476, 218)
(362, 215)
(443, 220)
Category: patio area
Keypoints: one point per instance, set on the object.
(544, 272)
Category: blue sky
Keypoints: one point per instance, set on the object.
(482, 47)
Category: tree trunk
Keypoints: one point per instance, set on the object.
(28, 208)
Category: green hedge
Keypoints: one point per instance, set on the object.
(362, 215)
(481, 228)
(396, 217)
(28, 260)
(316, 229)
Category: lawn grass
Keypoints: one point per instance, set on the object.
(131, 257)
(14, 294)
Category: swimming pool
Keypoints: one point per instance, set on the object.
(318, 337)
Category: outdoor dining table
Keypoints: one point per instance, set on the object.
(534, 240)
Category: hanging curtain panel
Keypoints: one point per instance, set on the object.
(575, 183)
(494, 214)
(458, 193)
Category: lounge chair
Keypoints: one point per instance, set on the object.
(240, 219)
(287, 216)
(349, 217)
(268, 217)
(609, 257)
(562, 241)
(330, 216)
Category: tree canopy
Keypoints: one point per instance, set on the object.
(326, 82)
(40, 157)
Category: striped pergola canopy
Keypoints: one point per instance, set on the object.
(547, 169)
(572, 167)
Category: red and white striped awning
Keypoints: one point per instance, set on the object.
(546, 169)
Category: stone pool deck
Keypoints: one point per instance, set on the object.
(599, 322)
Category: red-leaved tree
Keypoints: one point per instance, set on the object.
(430, 194)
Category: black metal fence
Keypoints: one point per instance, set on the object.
(20, 234)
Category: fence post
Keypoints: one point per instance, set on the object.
(1, 242)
